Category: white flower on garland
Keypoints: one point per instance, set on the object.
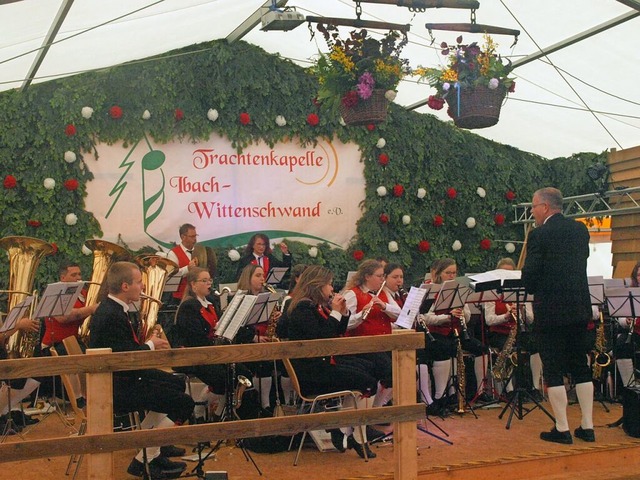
(86, 250)
(393, 246)
(481, 192)
(69, 156)
(493, 83)
(422, 192)
(342, 122)
(212, 114)
(234, 256)
(381, 142)
(471, 222)
(71, 219)
(446, 86)
(281, 121)
(510, 247)
(390, 95)
(49, 183)
(381, 191)
(456, 246)
(313, 252)
(406, 219)
(146, 115)
(86, 112)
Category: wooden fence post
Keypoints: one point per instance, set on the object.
(100, 417)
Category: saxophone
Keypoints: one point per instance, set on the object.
(462, 380)
(601, 358)
(273, 318)
(503, 367)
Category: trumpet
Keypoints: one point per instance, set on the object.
(366, 311)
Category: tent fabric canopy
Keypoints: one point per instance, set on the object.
(582, 97)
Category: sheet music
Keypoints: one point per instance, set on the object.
(240, 317)
(58, 299)
(411, 307)
(276, 274)
(21, 310)
(228, 313)
(452, 295)
(623, 302)
(596, 289)
(262, 308)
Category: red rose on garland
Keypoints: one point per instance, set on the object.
(451, 193)
(398, 190)
(115, 112)
(384, 218)
(485, 244)
(71, 184)
(510, 195)
(424, 246)
(178, 114)
(350, 99)
(435, 103)
(10, 182)
(358, 255)
(438, 221)
(34, 223)
(70, 130)
(371, 127)
(313, 119)
(245, 118)
(498, 219)
(383, 159)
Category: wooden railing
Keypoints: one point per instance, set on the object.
(100, 441)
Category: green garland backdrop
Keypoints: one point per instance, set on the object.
(179, 88)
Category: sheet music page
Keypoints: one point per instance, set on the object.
(228, 313)
(448, 298)
(58, 299)
(240, 316)
(258, 313)
(596, 289)
(21, 310)
(411, 307)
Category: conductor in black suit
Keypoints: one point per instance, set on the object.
(555, 272)
(161, 393)
(258, 252)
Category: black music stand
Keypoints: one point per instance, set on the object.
(276, 275)
(453, 295)
(515, 403)
(625, 302)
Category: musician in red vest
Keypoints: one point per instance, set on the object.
(182, 255)
(258, 252)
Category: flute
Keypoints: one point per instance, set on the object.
(366, 311)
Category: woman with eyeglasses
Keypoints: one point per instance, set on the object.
(195, 326)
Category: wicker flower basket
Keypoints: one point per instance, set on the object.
(373, 110)
(479, 108)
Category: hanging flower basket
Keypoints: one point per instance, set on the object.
(373, 110)
(478, 107)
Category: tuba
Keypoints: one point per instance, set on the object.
(156, 271)
(25, 254)
(104, 255)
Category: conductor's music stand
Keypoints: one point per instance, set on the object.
(516, 291)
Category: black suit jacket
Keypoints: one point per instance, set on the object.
(273, 262)
(555, 272)
(191, 329)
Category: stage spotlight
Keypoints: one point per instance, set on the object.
(597, 171)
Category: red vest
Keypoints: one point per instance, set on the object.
(183, 261)
(377, 322)
(503, 328)
(265, 264)
(209, 314)
(447, 328)
(55, 332)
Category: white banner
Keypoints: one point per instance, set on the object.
(144, 192)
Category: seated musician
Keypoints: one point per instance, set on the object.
(442, 327)
(258, 252)
(195, 326)
(627, 343)
(21, 388)
(159, 392)
(368, 304)
(501, 320)
(314, 312)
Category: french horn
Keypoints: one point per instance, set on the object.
(25, 254)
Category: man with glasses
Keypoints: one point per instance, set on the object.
(182, 255)
(555, 272)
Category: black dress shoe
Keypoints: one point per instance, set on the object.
(337, 439)
(374, 434)
(586, 434)
(359, 448)
(557, 437)
(172, 451)
(160, 468)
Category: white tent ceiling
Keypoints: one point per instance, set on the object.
(581, 98)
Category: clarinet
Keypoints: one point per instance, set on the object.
(424, 327)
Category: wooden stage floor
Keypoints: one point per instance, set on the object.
(482, 449)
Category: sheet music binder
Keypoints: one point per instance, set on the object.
(58, 299)
(411, 307)
(237, 318)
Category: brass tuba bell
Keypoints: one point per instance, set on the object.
(104, 255)
(25, 254)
